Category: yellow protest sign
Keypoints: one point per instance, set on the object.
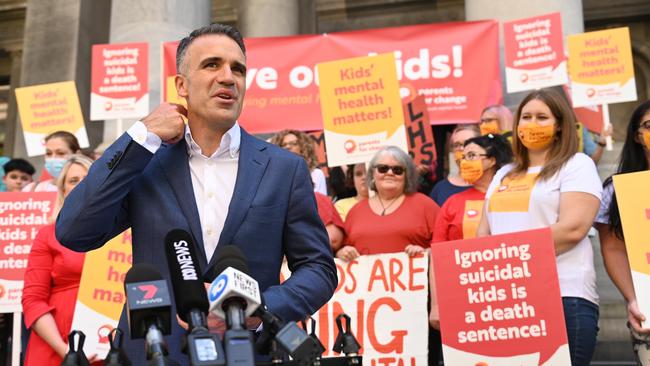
(601, 68)
(101, 292)
(361, 108)
(47, 108)
(634, 207)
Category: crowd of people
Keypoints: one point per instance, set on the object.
(531, 170)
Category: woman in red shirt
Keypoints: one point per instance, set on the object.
(397, 218)
(460, 215)
(52, 281)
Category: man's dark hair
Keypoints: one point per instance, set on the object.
(20, 165)
(215, 28)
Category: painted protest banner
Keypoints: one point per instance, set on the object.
(119, 81)
(319, 148)
(22, 215)
(600, 67)
(501, 303)
(168, 83)
(421, 145)
(386, 297)
(47, 108)
(101, 292)
(534, 53)
(361, 107)
(455, 66)
(634, 206)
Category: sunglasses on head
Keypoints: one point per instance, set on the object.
(383, 169)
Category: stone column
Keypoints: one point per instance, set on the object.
(11, 124)
(57, 43)
(268, 18)
(155, 22)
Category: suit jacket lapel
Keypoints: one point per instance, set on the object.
(174, 163)
(251, 167)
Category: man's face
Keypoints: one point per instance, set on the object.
(213, 80)
(16, 180)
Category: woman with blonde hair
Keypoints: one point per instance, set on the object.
(52, 280)
(302, 144)
(496, 119)
(550, 184)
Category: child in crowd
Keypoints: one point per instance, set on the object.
(18, 174)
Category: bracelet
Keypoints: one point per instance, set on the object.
(601, 144)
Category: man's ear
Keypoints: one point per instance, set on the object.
(181, 85)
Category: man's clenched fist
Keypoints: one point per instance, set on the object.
(166, 121)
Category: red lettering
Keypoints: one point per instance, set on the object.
(396, 267)
(324, 328)
(396, 345)
(412, 272)
(126, 237)
(378, 273)
(353, 288)
(341, 274)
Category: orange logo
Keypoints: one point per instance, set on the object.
(108, 106)
(2, 291)
(591, 92)
(472, 213)
(523, 78)
(349, 146)
(482, 364)
(503, 188)
(103, 333)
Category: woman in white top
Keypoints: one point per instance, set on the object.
(302, 144)
(635, 157)
(59, 147)
(551, 185)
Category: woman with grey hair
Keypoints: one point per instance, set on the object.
(397, 218)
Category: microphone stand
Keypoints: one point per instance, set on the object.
(156, 348)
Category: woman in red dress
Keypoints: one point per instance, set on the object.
(52, 281)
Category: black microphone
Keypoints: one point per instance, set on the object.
(75, 355)
(202, 347)
(116, 355)
(149, 310)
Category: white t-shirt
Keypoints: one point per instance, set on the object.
(521, 208)
(320, 184)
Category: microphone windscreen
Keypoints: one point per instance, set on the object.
(187, 284)
(142, 272)
(229, 256)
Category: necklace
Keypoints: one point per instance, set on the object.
(384, 208)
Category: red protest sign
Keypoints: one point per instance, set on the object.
(499, 300)
(120, 81)
(21, 216)
(419, 135)
(455, 66)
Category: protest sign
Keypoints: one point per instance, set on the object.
(101, 292)
(319, 148)
(600, 67)
(168, 83)
(534, 53)
(455, 66)
(48, 108)
(419, 135)
(361, 107)
(634, 206)
(499, 300)
(119, 82)
(22, 215)
(385, 296)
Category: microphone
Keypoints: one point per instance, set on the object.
(148, 310)
(116, 355)
(202, 347)
(234, 295)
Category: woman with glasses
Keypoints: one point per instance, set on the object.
(454, 183)
(635, 157)
(496, 119)
(302, 144)
(550, 184)
(397, 218)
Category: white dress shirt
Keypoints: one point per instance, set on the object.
(213, 178)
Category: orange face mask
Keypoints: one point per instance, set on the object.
(534, 136)
(471, 170)
(646, 139)
(489, 128)
(458, 155)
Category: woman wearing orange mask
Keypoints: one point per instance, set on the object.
(551, 185)
(496, 119)
(635, 157)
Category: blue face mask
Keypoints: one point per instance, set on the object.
(54, 166)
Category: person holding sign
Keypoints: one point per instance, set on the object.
(496, 119)
(59, 146)
(551, 184)
(460, 215)
(397, 218)
(52, 281)
(635, 157)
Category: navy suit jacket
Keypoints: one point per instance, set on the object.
(272, 214)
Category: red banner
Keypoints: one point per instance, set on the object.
(419, 134)
(500, 300)
(455, 66)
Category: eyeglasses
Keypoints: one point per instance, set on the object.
(383, 169)
(473, 156)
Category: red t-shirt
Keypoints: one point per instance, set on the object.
(327, 211)
(459, 216)
(411, 223)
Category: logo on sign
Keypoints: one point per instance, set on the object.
(108, 106)
(472, 213)
(591, 92)
(103, 332)
(349, 146)
(2, 291)
(218, 286)
(149, 291)
(523, 78)
(503, 188)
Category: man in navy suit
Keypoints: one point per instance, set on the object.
(212, 179)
